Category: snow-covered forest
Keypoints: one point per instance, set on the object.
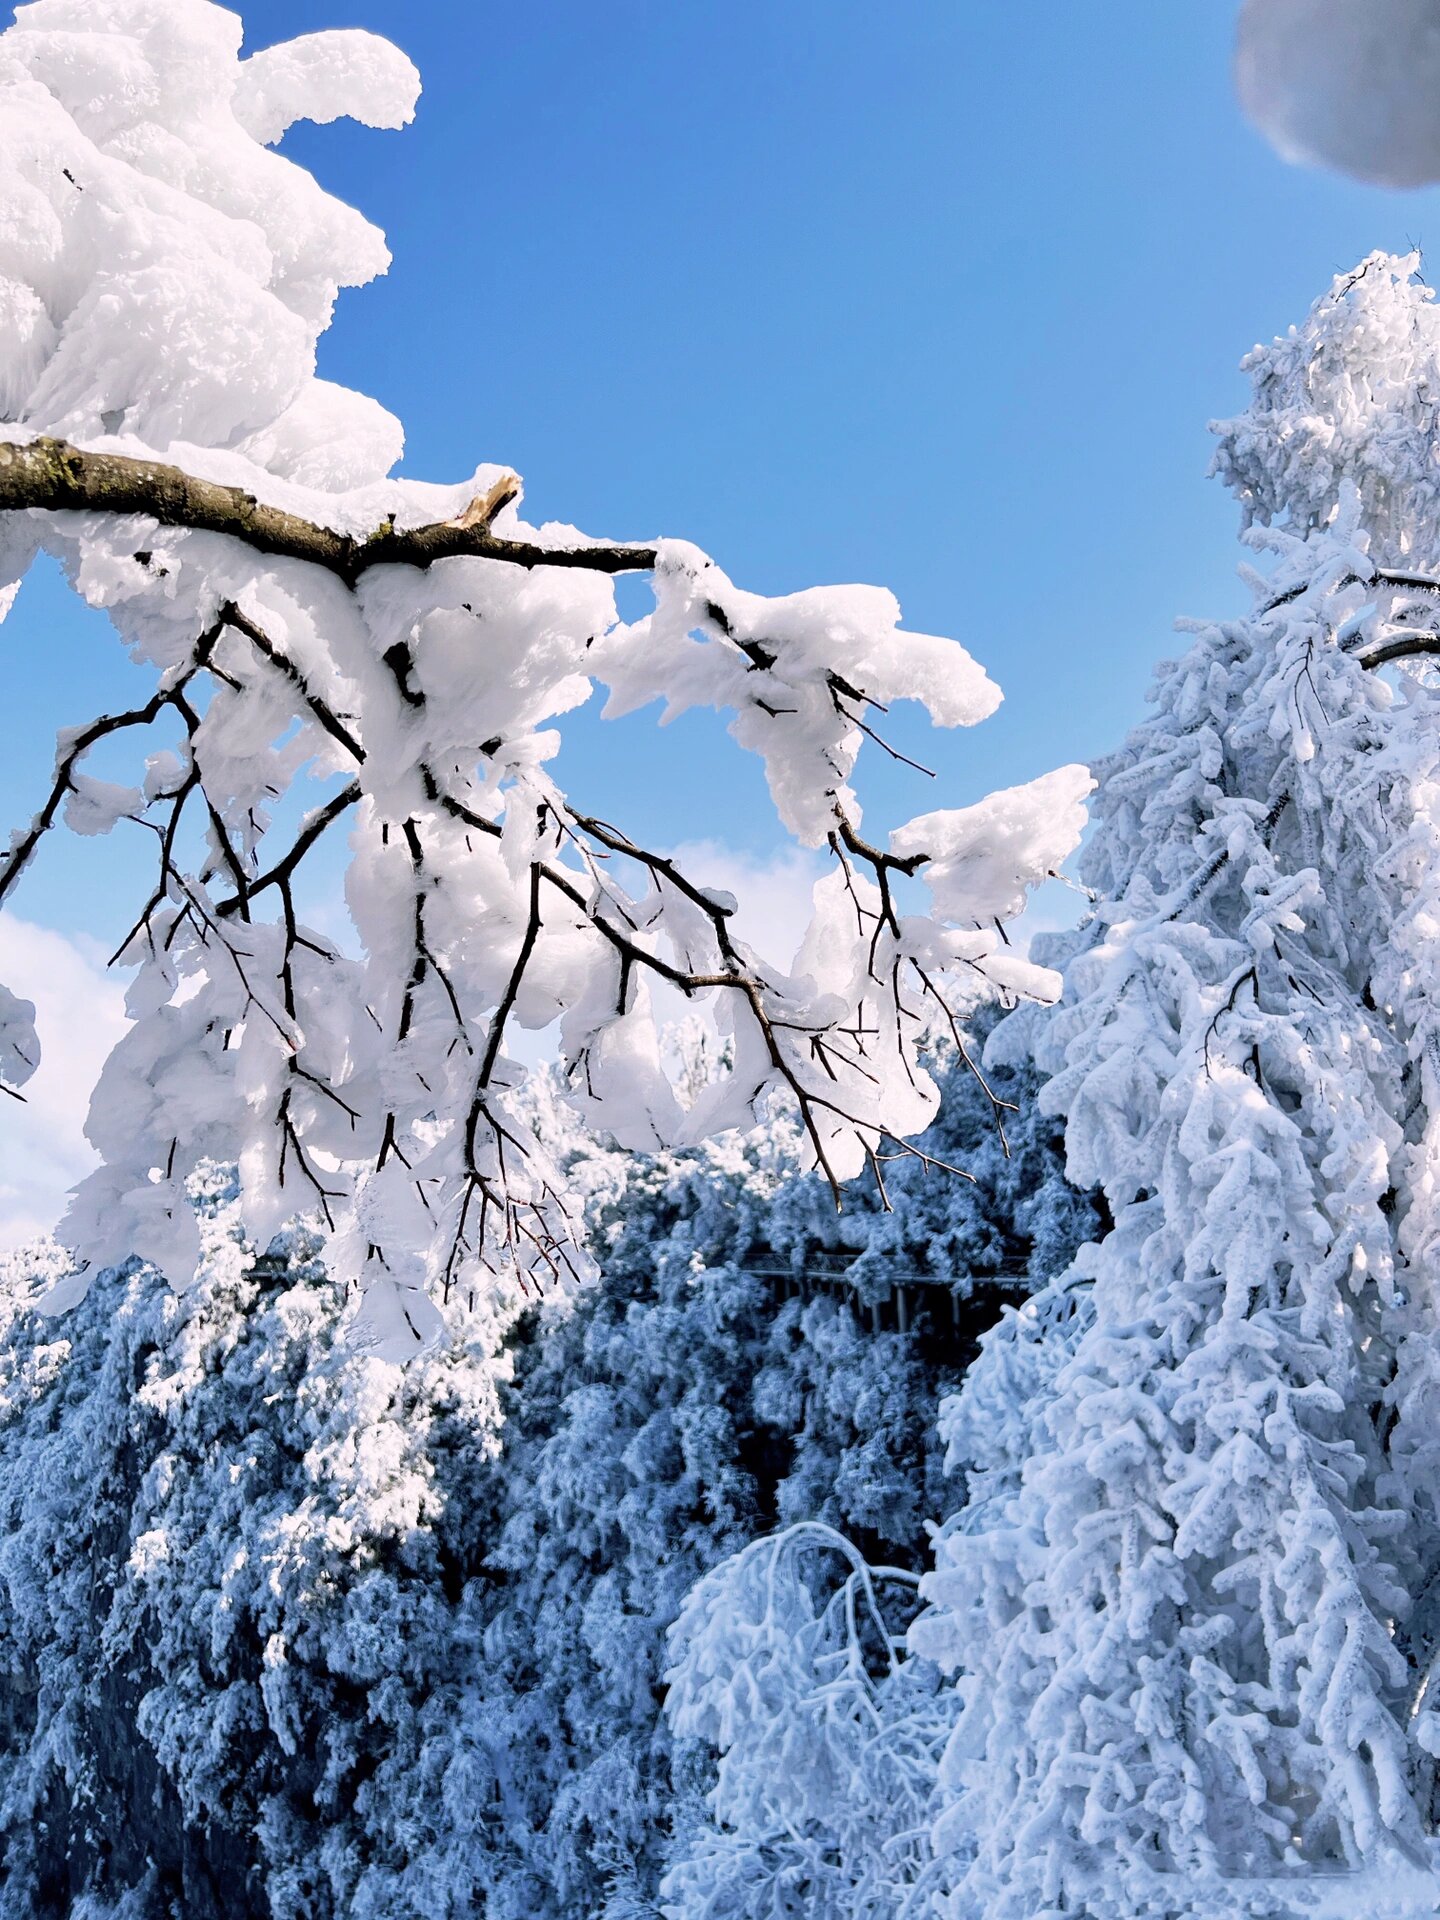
(551, 1402)
(385, 1641)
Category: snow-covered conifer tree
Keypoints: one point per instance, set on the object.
(164, 278)
(1183, 1627)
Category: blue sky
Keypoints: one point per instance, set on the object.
(919, 296)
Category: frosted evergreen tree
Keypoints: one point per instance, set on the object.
(288, 1630)
(1188, 1659)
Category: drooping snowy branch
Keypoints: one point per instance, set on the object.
(164, 281)
(19, 1045)
(787, 1660)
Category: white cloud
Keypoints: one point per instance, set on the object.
(772, 891)
(79, 1015)
(1353, 84)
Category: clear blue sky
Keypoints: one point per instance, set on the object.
(939, 295)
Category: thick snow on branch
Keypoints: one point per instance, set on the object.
(787, 1660)
(19, 1046)
(164, 278)
(323, 77)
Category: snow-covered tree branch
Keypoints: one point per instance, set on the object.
(164, 278)
(53, 476)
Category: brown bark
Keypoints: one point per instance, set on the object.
(54, 476)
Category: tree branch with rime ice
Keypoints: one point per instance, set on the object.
(416, 647)
(487, 1211)
(52, 476)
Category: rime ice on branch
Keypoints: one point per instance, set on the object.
(164, 277)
